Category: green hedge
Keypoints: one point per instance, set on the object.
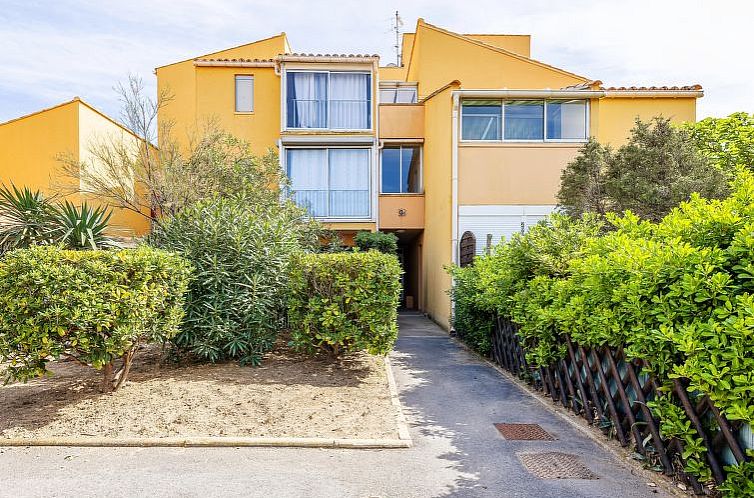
(344, 302)
(678, 294)
(94, 306)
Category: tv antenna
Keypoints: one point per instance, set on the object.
(397, 25)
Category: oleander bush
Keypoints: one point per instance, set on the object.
(344, 302)
(235, 306)
(96, 307)
(677, 293)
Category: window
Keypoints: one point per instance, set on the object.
(481, 119)
(524, 120)
(566, 120)
(244, 93)
(328, 100)
(401, 169)
(330, 183)
(398, 95)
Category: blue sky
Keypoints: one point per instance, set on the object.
(55, 50)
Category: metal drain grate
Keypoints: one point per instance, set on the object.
(524, 432)
(554, 465)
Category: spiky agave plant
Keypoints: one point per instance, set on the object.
(27, 218)
(83, 227)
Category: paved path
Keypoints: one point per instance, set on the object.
(451, 399)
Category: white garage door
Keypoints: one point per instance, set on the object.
(498, 221)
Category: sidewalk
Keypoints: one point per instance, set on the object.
(451, 400)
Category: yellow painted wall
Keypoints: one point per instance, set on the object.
(613, 118)
(29, 146)
(191, 106)
(519, 44)
(511, 173)
(440, 57)
(216, 102)
(436, 245)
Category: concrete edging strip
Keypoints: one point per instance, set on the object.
(403, 432)
(221, 442)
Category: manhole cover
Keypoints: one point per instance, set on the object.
(524, 432)
(554, 465)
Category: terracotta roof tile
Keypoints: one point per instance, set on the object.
(652, 88)
(234, 60)
(356, 56)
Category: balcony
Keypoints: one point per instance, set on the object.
(401, 121)
(401, 211)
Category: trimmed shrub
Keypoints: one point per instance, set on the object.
(93, 306)
(236, 305)
(472, 323)
(344, 302)
(383, 242)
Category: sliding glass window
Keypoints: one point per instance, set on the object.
(331, 183)
(328, 100)
(481, 119)
(524, 120)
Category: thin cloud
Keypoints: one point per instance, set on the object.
(56, 50)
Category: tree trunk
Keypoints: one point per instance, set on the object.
(123, 374)
(107, 378)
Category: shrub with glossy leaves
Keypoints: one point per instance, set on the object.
(94, 306)
(236, 304)
(344, 302)
(382, 241)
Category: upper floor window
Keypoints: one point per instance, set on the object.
(397, 93)
(328, 100)
(330, 183)
(524, 120)
(244, 93)
(401, 169)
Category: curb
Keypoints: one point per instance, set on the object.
(403, 432)
(619, 453)
(209, 442)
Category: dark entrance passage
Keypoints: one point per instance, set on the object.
(410, 256)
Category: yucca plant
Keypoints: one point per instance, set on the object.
(27, 218)
(83, 227)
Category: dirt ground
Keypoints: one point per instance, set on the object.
(289, 395)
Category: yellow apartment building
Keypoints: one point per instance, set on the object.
(31, 147)
(468, 135)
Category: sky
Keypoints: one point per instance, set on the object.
(57, 49)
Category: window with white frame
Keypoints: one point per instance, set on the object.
(524, 120)
(244, 93)
(328, 100)
(331, 182)
(401, 169)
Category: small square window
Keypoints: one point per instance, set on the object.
(244, 93)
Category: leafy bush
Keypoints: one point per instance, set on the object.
(471, 322)
(236, 305)
(678, 294)
(344, 302)
(727, 142)
(93, 306)
(381, 241)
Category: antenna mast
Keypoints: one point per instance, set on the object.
(397, 24)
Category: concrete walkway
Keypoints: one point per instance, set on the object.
(451, 399)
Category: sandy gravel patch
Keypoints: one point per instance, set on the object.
(288, 396)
